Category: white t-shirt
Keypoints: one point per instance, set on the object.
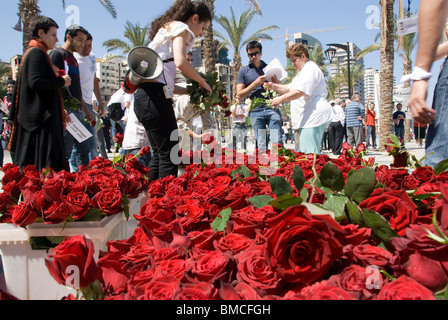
(135, 136)
(163, 45)
(242, 112)
(87, 70)
(313, 109)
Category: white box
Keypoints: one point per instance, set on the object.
(26, 275)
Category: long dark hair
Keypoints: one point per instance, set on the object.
(181, 10)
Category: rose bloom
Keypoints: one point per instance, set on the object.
(75, 251)
(162, 288)
(324, 291)
(233, 242)
(52, 189)
(174, 267)
(418, 177)
(392, 178)
(212, 266)
(404, 288)
(22, 214)
(302, 247)
(109, 201)
(367, 255)
(57, 212)
(78, 204)
(197, 291)
(395, 206)
(254, 270)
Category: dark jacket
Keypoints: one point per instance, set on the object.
(39, 95)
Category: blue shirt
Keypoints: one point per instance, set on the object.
(352, 111)
(249, 74)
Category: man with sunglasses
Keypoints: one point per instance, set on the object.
(250, 84)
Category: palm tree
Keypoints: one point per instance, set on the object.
(235, 30)
(356, 74)
(209, 44)
(386, 70)
(136, 35)
(29, 9)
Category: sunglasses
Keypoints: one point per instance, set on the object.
(254, 54)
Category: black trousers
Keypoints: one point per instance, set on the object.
(336, 133)
(156, 114)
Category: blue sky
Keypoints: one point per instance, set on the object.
(299, 15)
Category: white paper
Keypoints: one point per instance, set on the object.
(275, 68)
(77, 129)
(407, 25)
(4, 108)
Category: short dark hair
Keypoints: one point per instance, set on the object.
(42, 23)
(89, 36)
(254, 45)
(73, 30)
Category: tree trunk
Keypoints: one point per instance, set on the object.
(236, 69)
(28, 10)
(209, 43)
(386, 71)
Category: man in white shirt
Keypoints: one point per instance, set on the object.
(239, 114)
(89, 86)
(336, 130)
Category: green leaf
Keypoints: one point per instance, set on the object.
(360, 184)
(380, 227)
(441, 167)
(317, 210)
(353, 214)
(246, 172)
(220, 222)
(304, 194)
(331, 177)
(93, 215)
(261, 201)
(336, 204)
(285, 201)
(280, 186)
(395, 140)
(443, 294)
(298, 178)
(125, 202)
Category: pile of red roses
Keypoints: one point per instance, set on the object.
(102, 189)
(319, 229)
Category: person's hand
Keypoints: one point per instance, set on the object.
(277, 101)
(66, 119)
(89, 114)
(204, 85)
(68, 80)
(260, 81)
(420, 111)
(275, 79)
(101, 110)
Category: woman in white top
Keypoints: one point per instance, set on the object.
(172, 37)
(310, 111)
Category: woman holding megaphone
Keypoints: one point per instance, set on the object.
(172, 36)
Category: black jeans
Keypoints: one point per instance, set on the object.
(336, 133)
(156, 114)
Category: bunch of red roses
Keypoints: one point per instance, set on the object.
(51, 197)
(318, 229)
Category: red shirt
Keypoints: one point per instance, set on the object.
(371, 115)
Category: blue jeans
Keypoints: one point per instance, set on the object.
(436, 146)
(399, 132)
(82, 148)
(371, 133)
(93, 142)
(239, 135)
(273, 120)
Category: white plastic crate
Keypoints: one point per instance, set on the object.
(134, 208)
(26, 275)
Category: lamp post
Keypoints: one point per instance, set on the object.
(331, 53)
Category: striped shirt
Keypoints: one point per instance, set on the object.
(352, 111)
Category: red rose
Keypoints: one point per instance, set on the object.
(162, 288)
(355, 279)
(392, 178)
(197, 291)
(324, 291)
(78, 204)
(118, 139)
(367, 255)
(23, 214)
(113, 273)
(11, 173)
(418, 177)
(254, 270)
(74, 252)
(189, 216)
(427, 272)
(174, 267)
(212, 266)
(302, 247)
(109, 201)
(57, 212)
(404, 288)
(203, 239)
(234, 243)
(395, 206)
(144, 151)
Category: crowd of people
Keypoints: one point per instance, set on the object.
(58, 87)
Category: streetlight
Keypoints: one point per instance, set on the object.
(331, 53)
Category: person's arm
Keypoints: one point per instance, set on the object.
(180, 59)
(290, 96)
(96, 90)
(244, 91)
(432, 17)
(442, 51)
